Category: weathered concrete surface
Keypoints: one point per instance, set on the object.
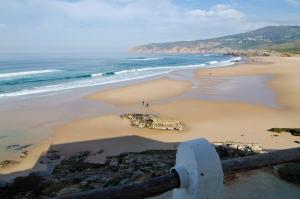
(261, 185)
(255, 185)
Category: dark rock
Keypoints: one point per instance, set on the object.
(73, 166)
(8, 163)
(29, 185)
(74, 174)
(23, 147)
(289, 172)
(52, 151)
(13, 146)
(137, 174)
(80, 156)
(17, 147)
(92, 178)
(24, 154)
(53, 156)
(100, 151)
(113, 163)
(84, 183)
(293, 131)
(68, 190)
(3, 184)
(151, 121)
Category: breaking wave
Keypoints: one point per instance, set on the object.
(27, 73)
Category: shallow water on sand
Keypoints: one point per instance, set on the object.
(248, 89)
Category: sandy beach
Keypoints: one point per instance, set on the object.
(215, 120)
(223, 118)
(99, 98)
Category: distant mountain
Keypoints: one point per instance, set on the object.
(271, 38)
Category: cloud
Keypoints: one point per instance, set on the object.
(219, 11)
(111, 25)
(2, 26)
(294, 2)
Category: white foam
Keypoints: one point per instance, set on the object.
(97, 75)
(72, 85)
(27, 73)
(127, 75)
(228, 62)
(212, 62)
(126, 71)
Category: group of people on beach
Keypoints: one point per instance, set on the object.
(146, 104)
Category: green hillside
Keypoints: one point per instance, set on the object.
(276, 38)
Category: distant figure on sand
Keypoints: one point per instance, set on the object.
(147, 105)
(143, 102)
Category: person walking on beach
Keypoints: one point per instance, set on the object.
(143, 102)
(147, 105)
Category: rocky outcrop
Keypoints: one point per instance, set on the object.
(151, 121)
(18, 149)
(75, 174)
(8, 163)
(236, 149)
(292, 131)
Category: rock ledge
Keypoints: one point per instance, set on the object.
(151, 121)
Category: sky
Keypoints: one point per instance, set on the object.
(49, 26)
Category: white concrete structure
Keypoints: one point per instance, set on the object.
(200, 171)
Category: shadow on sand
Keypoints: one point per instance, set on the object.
(108, 147)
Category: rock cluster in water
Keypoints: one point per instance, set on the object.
(151, 121)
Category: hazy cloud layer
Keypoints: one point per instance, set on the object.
(113, 25)
(294, 2)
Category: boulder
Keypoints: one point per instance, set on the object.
(151, 121)
(68, 190)
(80, 156)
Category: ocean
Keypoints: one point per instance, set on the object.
(32, 74)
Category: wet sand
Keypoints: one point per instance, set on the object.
(149, 91)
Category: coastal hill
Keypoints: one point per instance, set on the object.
(271, 38)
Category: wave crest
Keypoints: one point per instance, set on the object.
(27, 73)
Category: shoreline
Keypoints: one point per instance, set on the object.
(180, 107)
(198, 115)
